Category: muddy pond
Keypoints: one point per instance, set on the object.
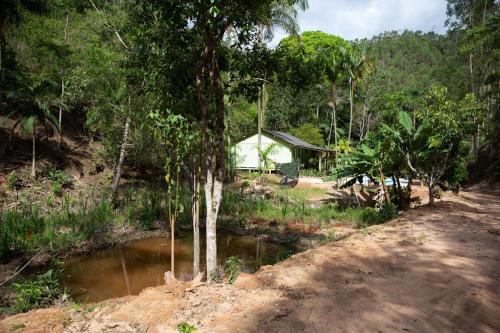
(126, 270)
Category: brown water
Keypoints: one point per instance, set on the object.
(126, 270)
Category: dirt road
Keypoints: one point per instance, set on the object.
(434, 269)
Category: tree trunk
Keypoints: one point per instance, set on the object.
(3, 48)
(260, 104)
(213, 195)
(431, 194)
(33, 153)
(215, 167)
(351, 102)
(230, 170)
(123, 152)
(172, 244)
(475, 144)
(196, 224)
(400, 192)
(384, 186)
(63, 73)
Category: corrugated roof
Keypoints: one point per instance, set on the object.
(294, 141)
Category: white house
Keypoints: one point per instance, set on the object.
(286, 148)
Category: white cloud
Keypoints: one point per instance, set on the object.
(353, 19)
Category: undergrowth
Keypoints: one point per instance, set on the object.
(289, 207)
(72, 221)
(37, 292)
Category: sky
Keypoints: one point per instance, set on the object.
(353, 19)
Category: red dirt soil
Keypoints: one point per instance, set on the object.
(434, 269)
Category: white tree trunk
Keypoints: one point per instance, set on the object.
(259, 129)
(196, 225)
(213, 195)
(33, 153)
(123, 152)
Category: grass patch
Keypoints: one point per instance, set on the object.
(291, 205)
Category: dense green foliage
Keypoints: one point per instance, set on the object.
(37, 292)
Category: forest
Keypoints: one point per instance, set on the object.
(119, 120)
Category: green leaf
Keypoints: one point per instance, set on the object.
(405, 121)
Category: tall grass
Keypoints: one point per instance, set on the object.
(285, 208)
(77, 219)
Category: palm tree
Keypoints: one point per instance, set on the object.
(357, 66)
(266, 154)
(283, 15)
(34, 110)
(336, 63)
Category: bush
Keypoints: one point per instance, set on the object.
(40, 291)
(13, 181)
(57, 176)
(233, 268)
(438, 192)
(388, 212)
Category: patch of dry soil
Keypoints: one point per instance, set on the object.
(434, 269)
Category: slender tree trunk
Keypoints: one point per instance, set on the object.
(213, 195)
(329, 140)
(33, 153)
(196, 223)
(123, 152)
(400, 192)
(229, 149)
(260, 103)
(408, 193)
(172, 244)
(3, 48)
(351, 102)
(63, 74)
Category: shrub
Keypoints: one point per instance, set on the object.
(40, 291)
(56, 188)
(438, 192)
(57, 176)
(13, 181)
(388, 212)
(233, 268)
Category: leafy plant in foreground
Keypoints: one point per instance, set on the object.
(13, 181)
(40, 291)
(185, 327)
(233, 268)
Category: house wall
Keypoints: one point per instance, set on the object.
(247, 157)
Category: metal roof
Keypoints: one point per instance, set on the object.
(294, 141)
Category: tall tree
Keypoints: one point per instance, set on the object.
(357, 66)
(471, 19)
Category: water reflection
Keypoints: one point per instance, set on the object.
(127, 270)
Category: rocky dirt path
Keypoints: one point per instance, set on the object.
(435, 269)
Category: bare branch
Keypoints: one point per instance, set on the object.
(106, 24)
